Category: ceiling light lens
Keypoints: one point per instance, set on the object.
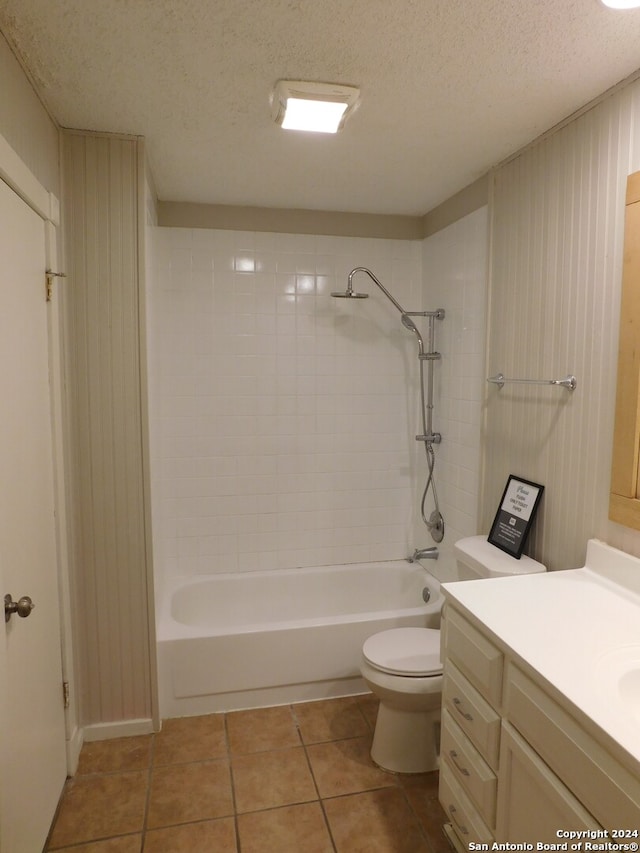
(314, 106)
(316, 116)
(621, 4)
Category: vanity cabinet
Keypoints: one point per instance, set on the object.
(470, 739)
(516, 764)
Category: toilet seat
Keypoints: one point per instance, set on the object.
(410, 652)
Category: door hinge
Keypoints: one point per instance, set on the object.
(66, 694)
(50, 275)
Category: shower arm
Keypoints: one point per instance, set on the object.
(407, 322)
(375, 281)
(439, 314)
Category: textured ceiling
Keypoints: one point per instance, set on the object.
(449, 88)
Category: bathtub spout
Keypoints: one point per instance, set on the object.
(424, 554)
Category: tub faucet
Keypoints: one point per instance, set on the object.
(424, 554)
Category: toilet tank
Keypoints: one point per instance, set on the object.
(476, 557)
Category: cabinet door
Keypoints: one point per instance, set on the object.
(533, 804)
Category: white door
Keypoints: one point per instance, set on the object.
(32, 731)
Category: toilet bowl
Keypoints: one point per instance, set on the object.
(402, 667)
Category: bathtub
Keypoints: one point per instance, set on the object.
(252, 639)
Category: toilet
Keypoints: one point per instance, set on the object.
(402, 667)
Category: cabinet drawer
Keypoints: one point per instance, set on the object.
(472, 713)
(466, 821)
(609, 791)
(469, 768)
(475, 656)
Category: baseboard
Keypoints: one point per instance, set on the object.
(121, 728)
(74, 745)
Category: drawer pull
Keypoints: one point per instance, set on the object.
(453, 755)
(458, 706)
(453, 811)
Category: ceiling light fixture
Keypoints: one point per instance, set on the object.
(318, 107)
(621, 4)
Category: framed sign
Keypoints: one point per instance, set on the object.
(515, 515)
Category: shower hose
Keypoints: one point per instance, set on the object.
(435, 522)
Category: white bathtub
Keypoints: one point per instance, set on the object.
(251, 639)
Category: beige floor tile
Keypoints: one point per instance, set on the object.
(123, 844)
(291, 829)
(330, 720)
(267, 780)
(374, 822)
(190, 739)
(345, 767)
(95, 807)
(422, 794)
(181, 793)
(118, 755)
(190, 788)
(261, 730)
(425, 784)
(211, 836)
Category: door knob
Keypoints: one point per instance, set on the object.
(23, 606)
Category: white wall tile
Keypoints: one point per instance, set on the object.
(454, 265)
(281, 418)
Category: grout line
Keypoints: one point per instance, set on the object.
(236, 826)
(391, 782)
(319, 800)
(152, 753)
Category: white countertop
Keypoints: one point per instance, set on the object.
(579, 629)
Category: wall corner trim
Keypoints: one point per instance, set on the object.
(471, 198)
(176, 214)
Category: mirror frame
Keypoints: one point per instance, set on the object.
(624, 500)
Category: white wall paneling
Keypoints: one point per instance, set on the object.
(110, 572)
(557, 229)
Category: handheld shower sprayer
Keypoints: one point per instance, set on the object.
(435, 522)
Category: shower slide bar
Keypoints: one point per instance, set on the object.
(570, 382)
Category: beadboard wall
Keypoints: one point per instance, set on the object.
(110, 571)
(556, 261)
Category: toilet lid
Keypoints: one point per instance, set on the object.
(405, 651)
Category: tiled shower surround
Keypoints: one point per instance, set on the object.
(283, 420)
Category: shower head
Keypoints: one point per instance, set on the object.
(349, 294)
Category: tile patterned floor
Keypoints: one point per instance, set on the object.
(290, 779)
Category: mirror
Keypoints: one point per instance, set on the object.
(624, 498)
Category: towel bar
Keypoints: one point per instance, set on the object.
(569, 382)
